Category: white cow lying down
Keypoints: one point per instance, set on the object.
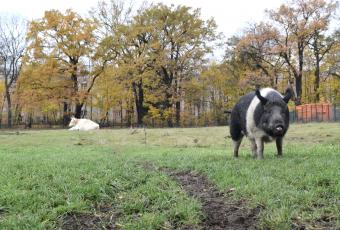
(83, 124)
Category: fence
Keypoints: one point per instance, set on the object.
(320, 112)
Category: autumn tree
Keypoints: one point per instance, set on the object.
(330, 84)
(255, 49)
(219, 91)
(320, 43)
(333, 58)
(296, 24)
(161, 48)
(70, 40)
(125, 47)
(109, 93)
(129, 48)
(42, 87)
(181, 44)
(12, 46)
(153, 62)
(238, 63)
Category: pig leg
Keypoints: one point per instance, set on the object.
(236, 134)
(253, 147)
(259, 145)
(237, 146)
(279, 146)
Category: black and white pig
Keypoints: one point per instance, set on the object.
(262, 116)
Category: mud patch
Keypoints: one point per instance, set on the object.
(3, 212)
(325, 222)
(219, 212)
(102, 217)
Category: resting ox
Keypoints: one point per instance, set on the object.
(83, 124)
(262, 116)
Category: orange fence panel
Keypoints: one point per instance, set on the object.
(314, 112)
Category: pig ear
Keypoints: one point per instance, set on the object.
(259, 96)
(288, 95)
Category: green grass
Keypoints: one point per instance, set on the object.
(46, 174)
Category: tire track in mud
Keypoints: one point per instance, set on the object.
(219, 211)
(102, 217)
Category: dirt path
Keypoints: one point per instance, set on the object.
(220, 213)
(102, 217)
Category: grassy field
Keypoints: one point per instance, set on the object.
(47, 176)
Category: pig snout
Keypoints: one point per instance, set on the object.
(278, 127)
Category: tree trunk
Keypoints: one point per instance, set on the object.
(168, 105)
(77, 111)
(91, 108)
(17, 114)
(170, 123)
(317, 81)
(139, 100)
(28, 123)
(1, 110)
(317, 69)
(298, 78)
(178, 113)
(66, 116)
(105, 120)
(298, 86)
(121, 114)
(74, 78)
(9, 109)
(129, 113)
(178, 102)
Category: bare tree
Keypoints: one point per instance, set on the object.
(12, 46)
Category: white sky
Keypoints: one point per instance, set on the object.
(231, 16)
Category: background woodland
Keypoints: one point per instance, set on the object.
(153, 65)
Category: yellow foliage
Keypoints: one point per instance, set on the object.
(55, 65)
(154, 113)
